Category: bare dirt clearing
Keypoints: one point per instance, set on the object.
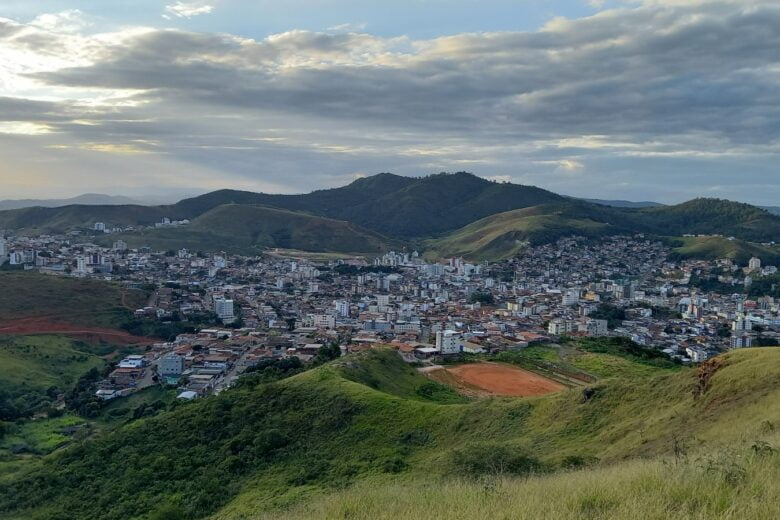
(486, 379)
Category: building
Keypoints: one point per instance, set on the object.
(224, 310)
(322, 321)
(171, 365)
(342, 308)
(559, 327)
(697, 354)
(449, 342)
(741, 341)
(754, 264)
(596, 327)
(100, 226)
(741, 324)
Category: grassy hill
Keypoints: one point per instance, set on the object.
(407, 208)
(33, 369)
(402, 207)
(393, 205)
(504, 235)
(713, 216)
(297, 447)
(715, 247)
(251, 229)
(61, 299)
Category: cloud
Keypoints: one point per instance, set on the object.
(187, 9)
(663, 90)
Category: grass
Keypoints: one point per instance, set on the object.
(340, 440)
(505, 235)
(249, 230)
(726, 485)
(41, 436)
(60, 299)
(717, 247)
(39, 362)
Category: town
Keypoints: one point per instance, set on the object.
(228, 313)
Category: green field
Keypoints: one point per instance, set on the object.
(59, 299)
(268, 450)
(34, 369)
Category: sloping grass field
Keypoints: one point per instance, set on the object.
(369, 437)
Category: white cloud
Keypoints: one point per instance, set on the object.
(624, 91)
(187, 9)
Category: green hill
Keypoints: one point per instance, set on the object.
(33, 369)
(716, 247)
(60, 299)
(295, 448)
(714, 217)
(403, 207)
(409, 209)
(397, 206)
(504, 235)
(251, 229)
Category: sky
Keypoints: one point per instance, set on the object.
(662, 100)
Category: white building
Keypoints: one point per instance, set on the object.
(559, 327)
(754, 264)
(697, 354)
(322, 321)
(342, 308)
(100, 226)
(224, 309)
(3, 251)
(741, 324)
(449, 342)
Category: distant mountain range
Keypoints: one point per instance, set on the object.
(85, 199)
(444, 214)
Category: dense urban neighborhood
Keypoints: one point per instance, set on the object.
(223, 314)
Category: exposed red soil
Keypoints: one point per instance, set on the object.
(42, 325)
(496, 379)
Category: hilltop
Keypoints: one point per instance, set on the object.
(452, 213)
(371, 421)
(249, 229)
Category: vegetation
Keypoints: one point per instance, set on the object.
(726, 484)
(58, 299)
(613, 314)
(248, 230)
(35, 370)
(716, 247)
(361, 420)
(493, 220)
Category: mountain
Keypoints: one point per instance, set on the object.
(624, 203)
(251, 229)
(774, 210)
(714, 216)
(448, 207)
(303, 446)
(710, 247)
(401, 207)
(503, 235)
(85, 199)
